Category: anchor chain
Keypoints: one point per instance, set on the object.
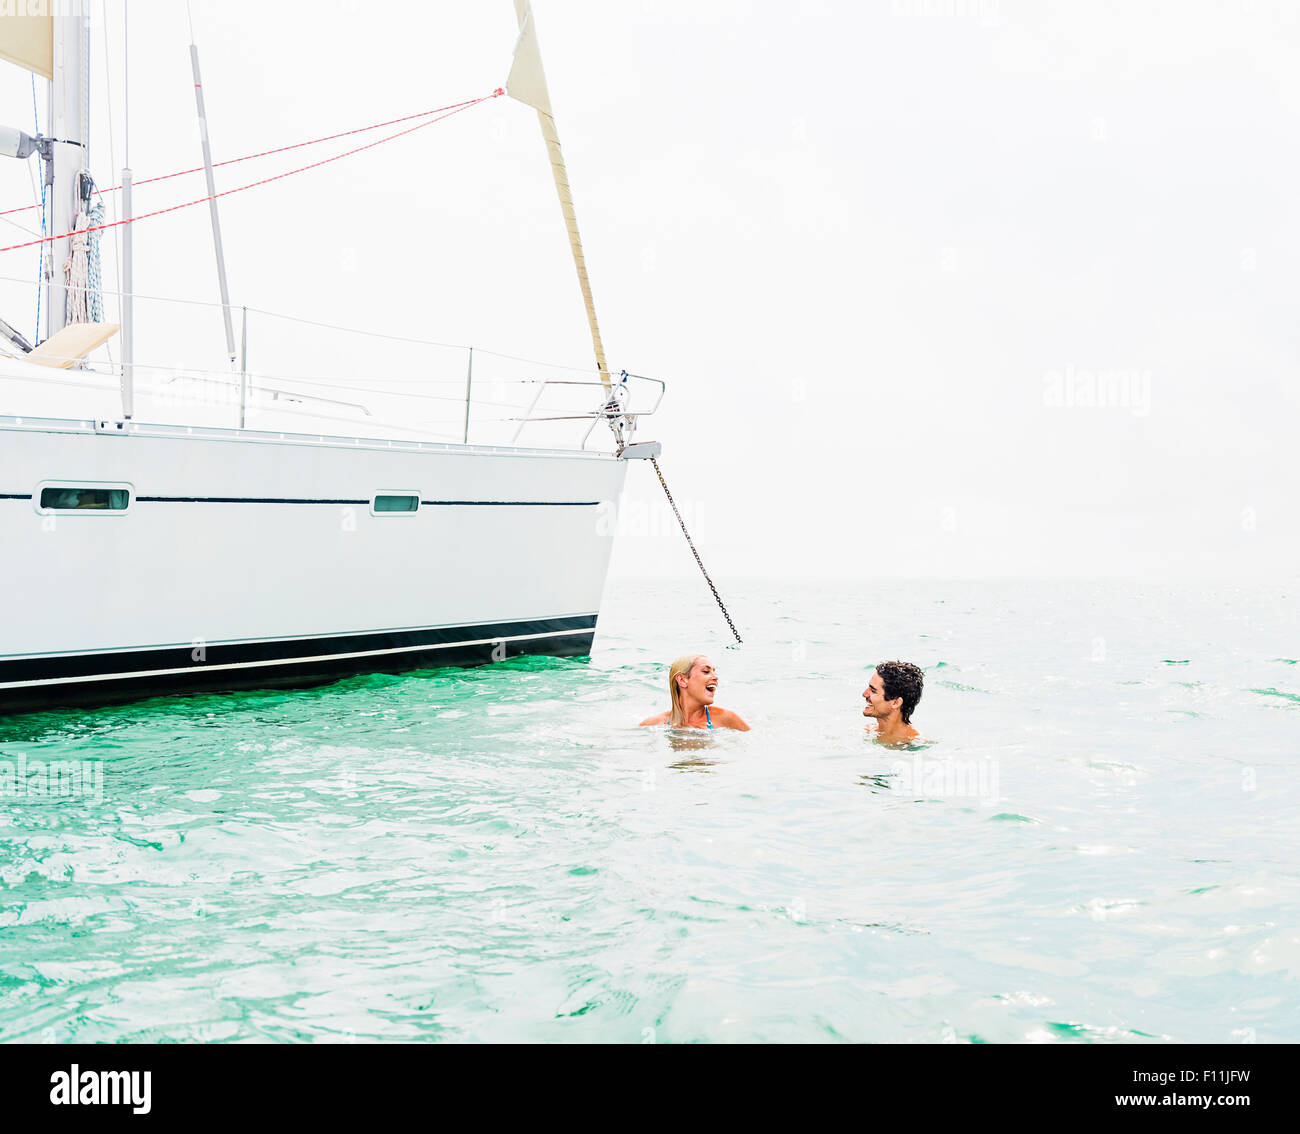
(673, 504)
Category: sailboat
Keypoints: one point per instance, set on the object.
(155, 548)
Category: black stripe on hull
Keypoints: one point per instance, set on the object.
(296, 663)
(315, 500)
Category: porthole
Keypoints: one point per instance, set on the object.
(395, 503)
(82, 498)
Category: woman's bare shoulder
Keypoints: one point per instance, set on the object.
(727, 719)
(662, 718)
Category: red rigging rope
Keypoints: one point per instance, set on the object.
(279, 149)
(442, 113)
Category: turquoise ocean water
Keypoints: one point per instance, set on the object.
(1097, 843)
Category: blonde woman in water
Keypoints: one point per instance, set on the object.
(692, 682)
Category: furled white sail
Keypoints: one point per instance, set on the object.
(527, 84)
(28, 40)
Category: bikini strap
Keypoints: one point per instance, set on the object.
(708, 718)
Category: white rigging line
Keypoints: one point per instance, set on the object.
(223, 377)
(347, 330)
(112, 156)
(418, 342)
(126, 91)
(84, 381)
(23, 228)
(338, 382)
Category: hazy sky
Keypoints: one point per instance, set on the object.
(889, 256)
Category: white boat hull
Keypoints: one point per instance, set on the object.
(248, 560)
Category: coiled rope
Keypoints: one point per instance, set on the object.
(85, 298)
(691, 544)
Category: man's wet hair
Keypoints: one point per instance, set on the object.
(902, 679)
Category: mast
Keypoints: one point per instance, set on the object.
(127, 298)
(527, 84)
(68, 148)
(128, 301)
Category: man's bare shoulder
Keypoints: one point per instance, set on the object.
(662, 718)
(900, 739)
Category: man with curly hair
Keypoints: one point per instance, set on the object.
(891, 695)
